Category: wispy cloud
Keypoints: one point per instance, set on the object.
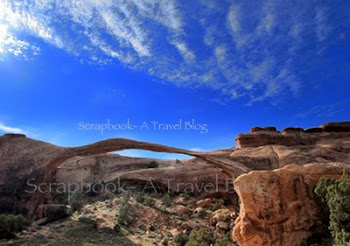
(8, 129)
(246, 49)
(326, 111)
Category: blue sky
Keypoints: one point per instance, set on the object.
(230, 65)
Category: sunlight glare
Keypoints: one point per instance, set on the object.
(3, 36)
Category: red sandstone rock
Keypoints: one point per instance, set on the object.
(277, 207)
(336, 127)
(264, 129)
(293, 130)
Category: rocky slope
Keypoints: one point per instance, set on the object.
(274, 189)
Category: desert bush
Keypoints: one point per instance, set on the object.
(149, 202)
(201, 214)
(88, 221)
(117, 228)
(57, 213)
(181, 239)
(218, 203)
(202, 237)
(125, 214)
(333, 198)
(167, 200)
(153, 164)
(10, 224)
(140, 198)
(188, 195)
(224, 241)
(76, 200)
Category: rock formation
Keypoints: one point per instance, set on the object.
(26, 160)
(292, 136)
(277, 207)
(276, 172)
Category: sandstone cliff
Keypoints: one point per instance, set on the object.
(278, 207)
(276, 199)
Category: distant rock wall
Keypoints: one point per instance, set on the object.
(290, 136)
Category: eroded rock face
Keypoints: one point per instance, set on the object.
(277, 207)
(263, 129)
(292, 130)
(291, 136)
(22, 159)
(26, 164)
(273, 138)
(336, 127)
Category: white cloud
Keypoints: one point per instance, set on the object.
(187, 54)
(9, 129)
(240, 48)
(322, 28)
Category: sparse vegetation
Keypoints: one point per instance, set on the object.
(57, 213)
(224, 241)
(202, 237)
(218, 203)
(149, 202)
(153, 164)
(76, 200)
(181, 239)
(201, 214)
(140, 198)
(10, 224)
(167, 200)
(117, 228)
(187, 196)
(333, 198)
(125, 215)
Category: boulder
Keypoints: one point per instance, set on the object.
(174, 232)
(181, 210)
(278, 208)
(222, 226)
(204, 203)
(180, 201)
(191, 225)
(220, 215)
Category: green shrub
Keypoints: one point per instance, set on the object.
(140, 197)
(10, 224)
(76, 200)
(181, 239)
(202, 237)
(56, 213)
(167, 200)
(188, 195)
(218, 203)
(117, 228)
(153, 164)
(149, 202)
(224, 241)
(88, 221)
(201, 214)
(333, 197)
(125, 214)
